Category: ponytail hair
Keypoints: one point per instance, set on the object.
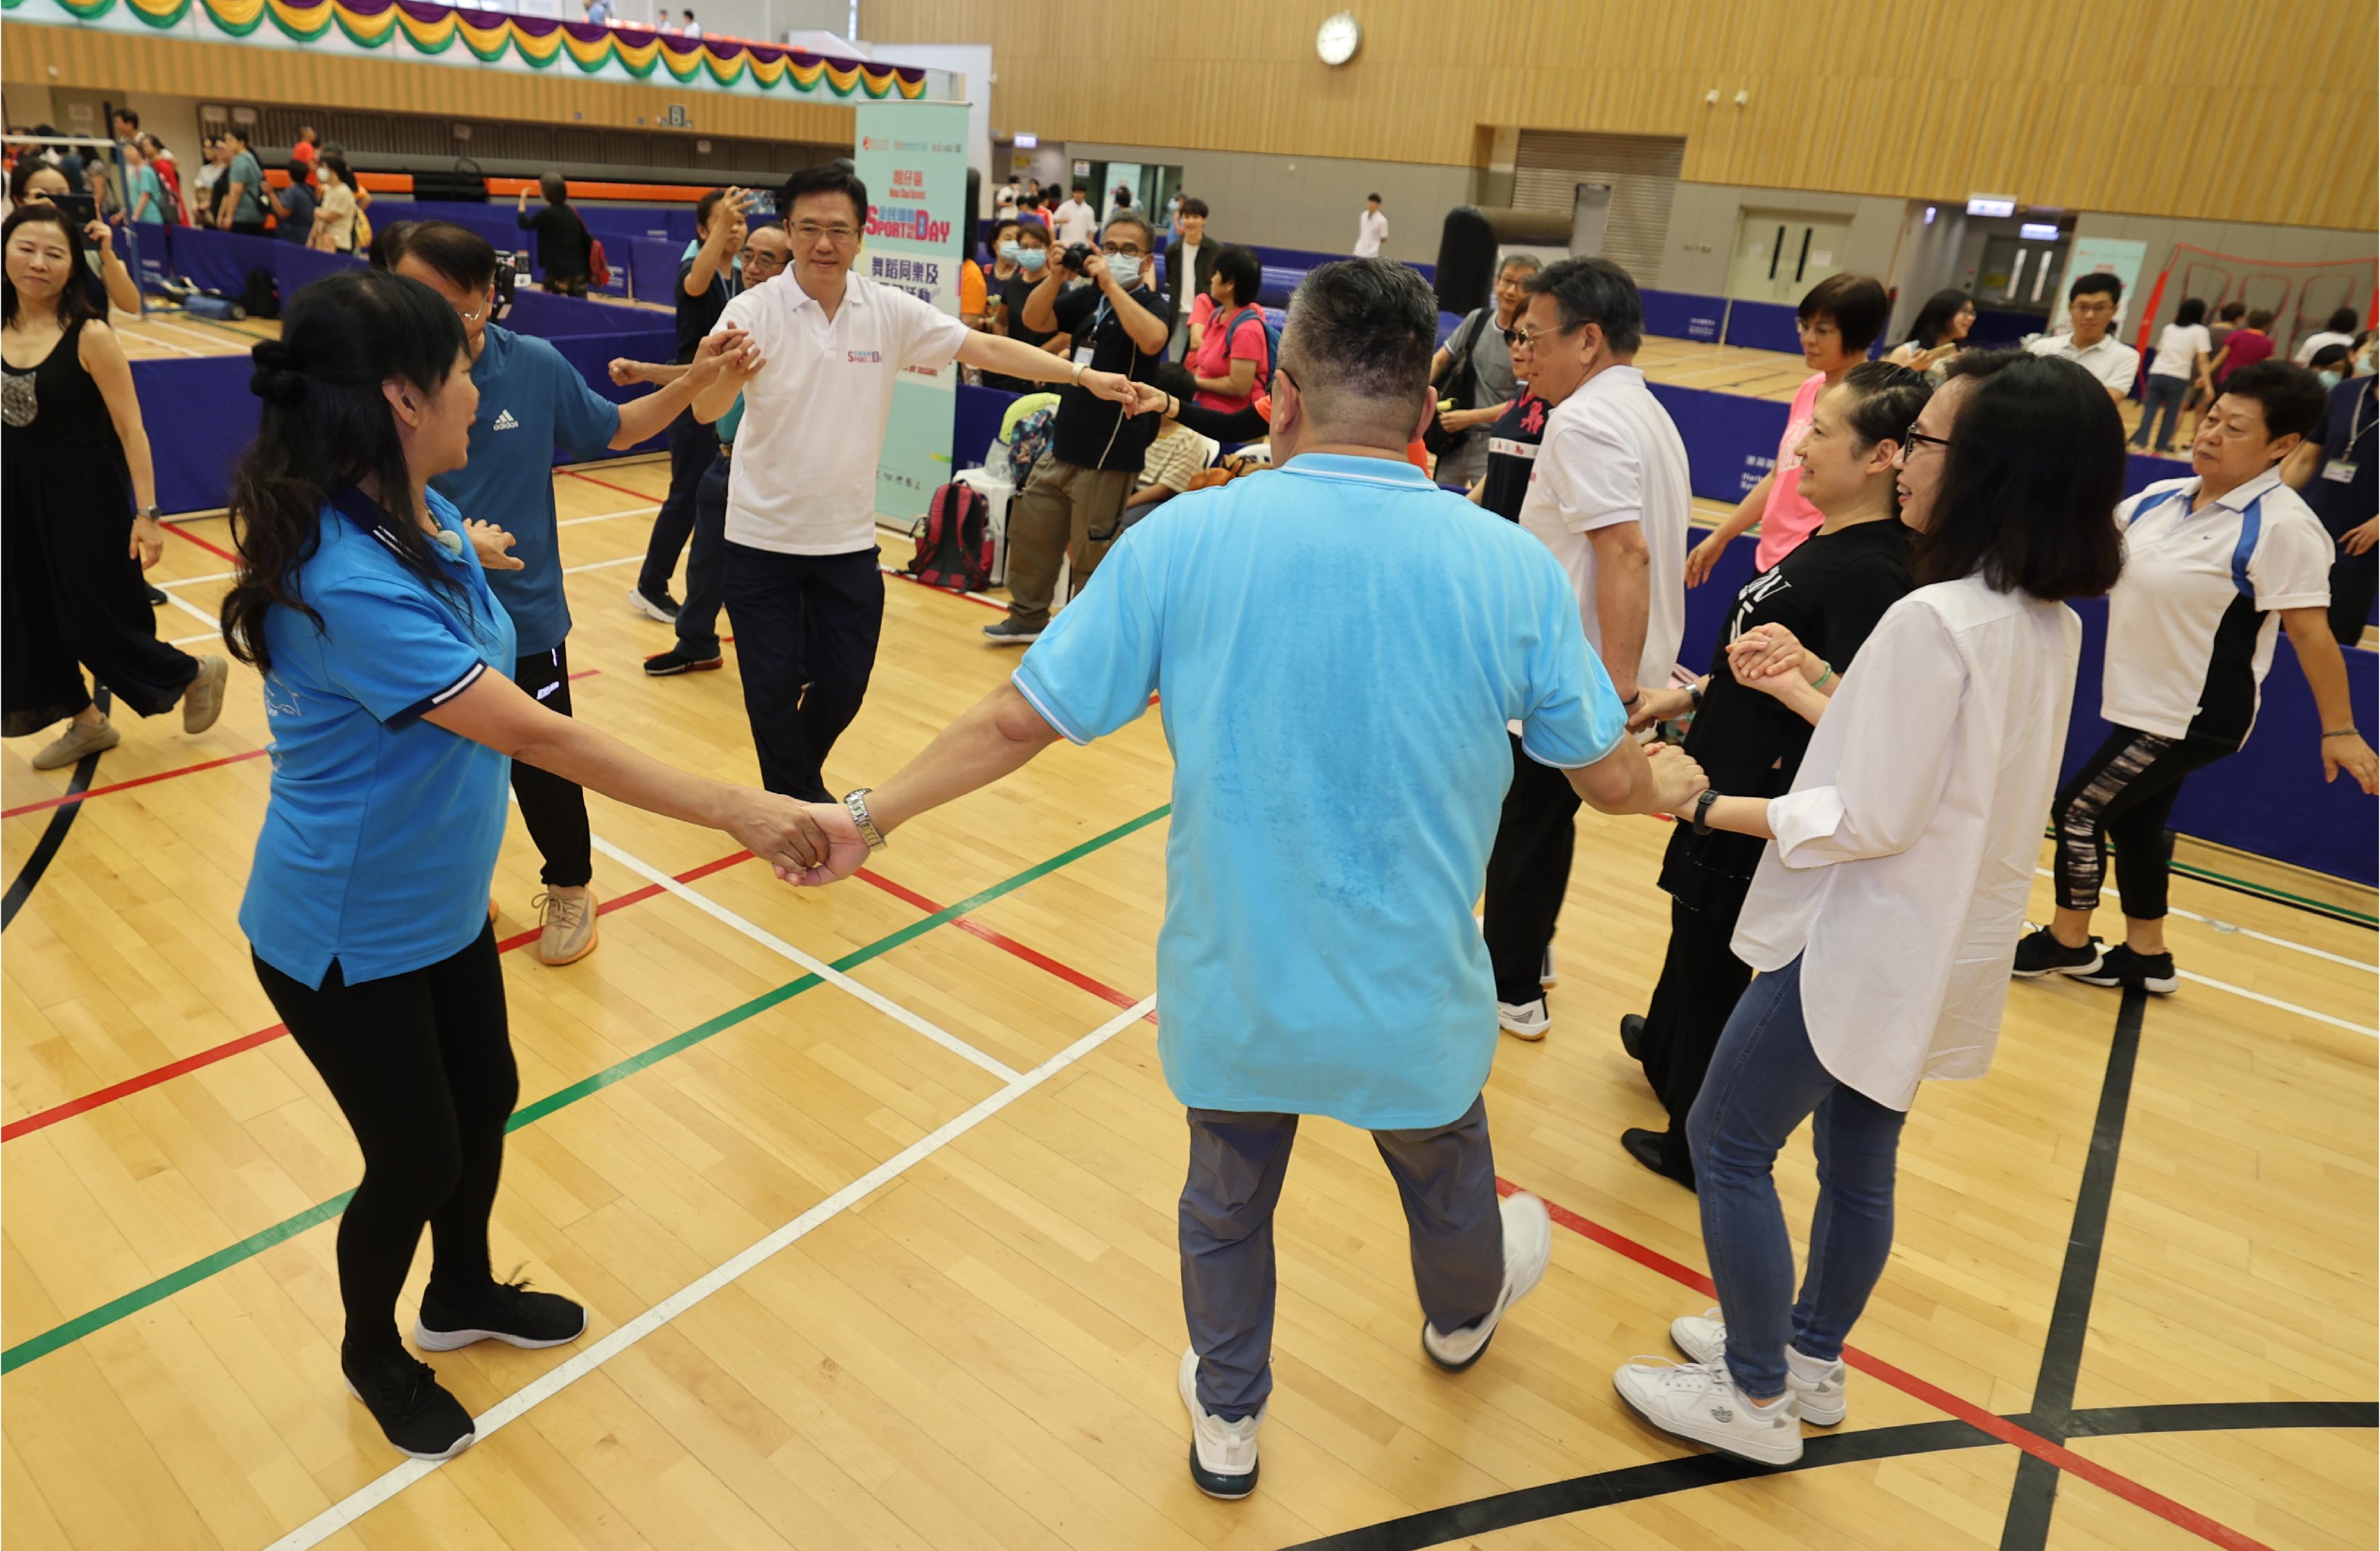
(327, 426)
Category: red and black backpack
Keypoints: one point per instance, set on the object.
(953, 540)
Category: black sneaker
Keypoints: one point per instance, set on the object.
(1631, 1035)
(660, 606)
(678, 660)
(2039, 953)
(1008, 633)
(506, 1312)
(157, 599)
(412, 1408)
(1653, 1149)
(2153, 973)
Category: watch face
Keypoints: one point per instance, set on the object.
(1337, 41)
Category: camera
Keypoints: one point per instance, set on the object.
(1078, 256)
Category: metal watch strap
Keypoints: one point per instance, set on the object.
(1702, 810)
(854, 801)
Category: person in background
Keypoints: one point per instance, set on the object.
(361, 599)
(1610, 498)
(1189, 270)
(1938, 334)
(1122, 203)
(213, 155)
(1512, 446)
(563, 241)
(1017, 287)
(1234, 357)
(1075, 221)
(169, 172)
(2244, 347)
(2338, 472)
(528, 402)
(1070, 506)
(239, 204)
(1893, 884)
(1840, 319)
(2091, 305)
(144, 192)
(599, 13)
(2339, 330)
(294, 205)
(1371, 228)
(335, 215)
(332, 153)
(767, 252)
(106, 280)
(1174, 459)
(1475, 366)
(124, 124)
(1004, 198)
(2182, 351)
(2330, 364)
(308, 150)
(691, 28)
(975, 294)
(707, 281)
(1308, 966)
(2225, 323)
(2215, 566)
(80, 494)
(1751, 727)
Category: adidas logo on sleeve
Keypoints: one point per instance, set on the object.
(504, 421)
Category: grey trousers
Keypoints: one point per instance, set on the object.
(1447, 1176)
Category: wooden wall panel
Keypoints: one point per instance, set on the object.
(2202, 108)
(184, 66)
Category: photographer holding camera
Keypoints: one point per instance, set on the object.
(1073, 500)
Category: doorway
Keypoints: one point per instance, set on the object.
(1780, 255)
(2017, 275)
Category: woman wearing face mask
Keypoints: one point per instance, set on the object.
(81, 503)
(1749, 732)
(1894, 879)
(1005, 247)
(361, 599)
(1840, 319)
(1029, 265)
(1939, 332)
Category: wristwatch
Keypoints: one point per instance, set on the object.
(1702, 810)
(152, 512)
(854, 801)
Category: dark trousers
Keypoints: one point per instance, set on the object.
(1527, 873)
(421, 1065)
(1446, 1176)
(806, 631)
(2124, 792)
(692, 447)
(2353, 580)
(706, 561)
(555, 809)
(1701, 982)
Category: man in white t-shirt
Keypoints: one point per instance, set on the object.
(1610, 495)
(816, 377)
(1371, 228)
(2091, 305)
(1076, 221)
(1004, 202)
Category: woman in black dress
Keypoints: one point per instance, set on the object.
(1827, 593)
(74, 464)
(563, 241)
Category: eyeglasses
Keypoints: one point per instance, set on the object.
(1121, 250)
(1911, 440)
(842, 236)
(1531, 336)
(1282, 372)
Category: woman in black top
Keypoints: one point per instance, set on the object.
(74, 464)
(1027, 269)
(1825, 597)
(563, 241)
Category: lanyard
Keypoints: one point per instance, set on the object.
(2355, 427)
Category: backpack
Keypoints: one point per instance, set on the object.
(1272, 340)
(953, 540)
(599, 272)
(1026, 442)
(1461, 383)
(257, 296)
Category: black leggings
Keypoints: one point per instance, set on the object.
(1528, 873)
(421, 1064)
(555, 809)
(2124, 792)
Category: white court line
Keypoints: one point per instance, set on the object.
(2275, 1002)
(601, 564)
(194, 611)
(152, 320)
(2228, 928)
(193, 581)
(187, 640)
(160, 344)
(817, 966)
(521, 1401)
(607, 516)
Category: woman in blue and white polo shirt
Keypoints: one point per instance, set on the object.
(2215, 566)
(385, 658)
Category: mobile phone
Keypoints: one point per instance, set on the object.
(764, 202)
(82, 208)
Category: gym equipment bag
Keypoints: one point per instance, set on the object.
(953, 540)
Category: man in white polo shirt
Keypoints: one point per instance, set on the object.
(2090, 306)
(1610, 496)
(816, 377)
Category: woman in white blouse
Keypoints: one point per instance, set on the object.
(1883, 914)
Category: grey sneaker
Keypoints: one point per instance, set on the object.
(1008, 633)
(203, 701)
(77, 740)
(565, 926)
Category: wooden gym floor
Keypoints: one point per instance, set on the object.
(871, 1192)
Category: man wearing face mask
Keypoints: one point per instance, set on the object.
(1072, 503)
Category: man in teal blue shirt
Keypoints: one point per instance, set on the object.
(1338, 781)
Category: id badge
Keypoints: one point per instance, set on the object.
(2338, 472)
(1083, 356)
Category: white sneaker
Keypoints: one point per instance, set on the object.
(1529, 1021)
(1547, 977)
(1528, 1246)
(1223, 1454)
(1700, 1402)
(1819, 1388)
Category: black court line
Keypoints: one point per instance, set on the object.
(62, 818)
(1636, 1482)
(2033, 1500)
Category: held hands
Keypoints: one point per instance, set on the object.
(1701, 558)
(1677, 778)
(2348, 752)
(1658, 705)
(147, 541)
(491, 542)
(1767, 651)
(2360, 539)
(1118, 389)
(1147, 398)
(841, 850)
(731, 353)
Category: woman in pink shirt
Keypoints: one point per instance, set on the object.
(1232, 359)
(1840, 319)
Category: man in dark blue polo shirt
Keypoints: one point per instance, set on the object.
(2338, 471)
(531, 401)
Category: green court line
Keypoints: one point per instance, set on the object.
(164, 1287)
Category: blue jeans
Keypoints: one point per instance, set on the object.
(2168, 392)
(1763, 1079)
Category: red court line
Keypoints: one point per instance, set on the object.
(963, 596)
(126, 785)
(640, 495)
(1039, 960)
(211, 549)
(1931, 1394)
(130, 1086)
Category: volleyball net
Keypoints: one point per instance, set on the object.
(2300, 294)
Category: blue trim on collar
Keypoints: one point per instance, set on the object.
(2145, 507)
(2252, 527)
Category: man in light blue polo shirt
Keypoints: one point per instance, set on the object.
(1338, 781)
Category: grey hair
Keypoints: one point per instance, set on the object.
(1595, 291)
(1527, 263)
(1360, 335)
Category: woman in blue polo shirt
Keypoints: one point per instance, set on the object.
(361, 600)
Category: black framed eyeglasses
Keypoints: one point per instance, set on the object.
(1911, 439)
